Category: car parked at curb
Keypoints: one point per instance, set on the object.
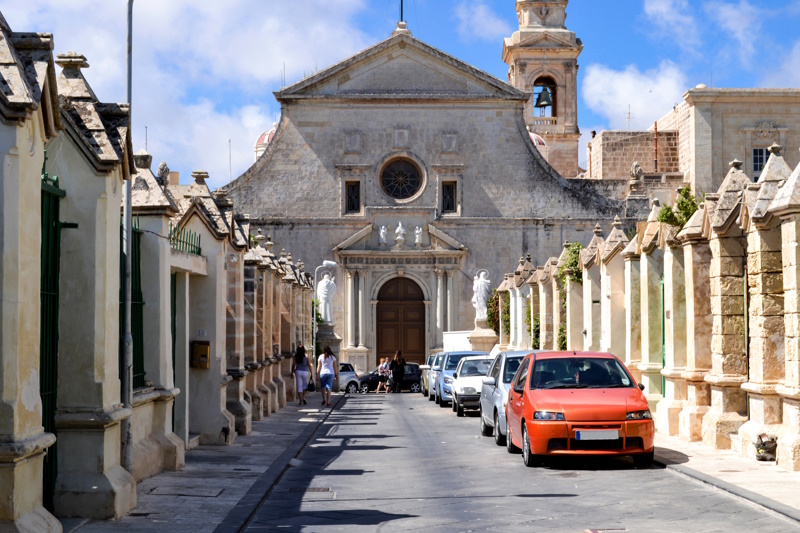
(426, 373)
(577, 403)
(348, 378)
(444, 382)
(494, 394)
(411, 379)
(467, 382)
(433, 376)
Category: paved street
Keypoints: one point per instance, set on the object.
(401, 463)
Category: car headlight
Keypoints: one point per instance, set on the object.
(448, 379)
(547, 415)
(639, 415)
(467, 390)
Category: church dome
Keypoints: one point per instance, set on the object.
(264, 139)
(536, 139)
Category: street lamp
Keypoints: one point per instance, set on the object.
(325, 264)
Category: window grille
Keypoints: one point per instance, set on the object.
(353, 200)
(449, 197)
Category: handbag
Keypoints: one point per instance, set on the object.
(311, 387)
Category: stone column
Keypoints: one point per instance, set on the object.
(182, 332)
(362, 306)
(728, 351)
(251, 334)
(350, 309)
(574, 312)
(652, 269)
(440, 306)
(533, 302)
(546, 333)
(234, 344)
(697, 259)
(767, 336)
(451, 301)
(504, 341)
(513, 312)
(23, 442)
(612, 305)
(633, 308)
(669, 408)
(559, 315)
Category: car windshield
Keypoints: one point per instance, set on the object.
(579, 373)
(475, 368)
(438, 361)
(512, 364)
(453, 359)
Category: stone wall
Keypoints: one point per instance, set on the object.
(614, 152)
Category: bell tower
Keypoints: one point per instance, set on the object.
(542, 58)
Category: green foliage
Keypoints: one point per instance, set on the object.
(535, 333)
(686, 204)
(573, 263)
(493, 312)
(505, 315)
(318, 317)
(562, 336)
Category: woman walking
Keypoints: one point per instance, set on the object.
(327, 370)
(398, 371)
(301, 370)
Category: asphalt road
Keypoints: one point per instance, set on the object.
(398, 462)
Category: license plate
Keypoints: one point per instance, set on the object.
(597, 434)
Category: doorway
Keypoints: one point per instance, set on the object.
(401, 320)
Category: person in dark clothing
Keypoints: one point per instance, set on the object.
(301, 370)
(398, 368)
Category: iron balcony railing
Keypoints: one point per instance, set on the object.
(184, 240)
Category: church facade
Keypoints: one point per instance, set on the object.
(413, 171)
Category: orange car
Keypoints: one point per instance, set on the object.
(577, 403)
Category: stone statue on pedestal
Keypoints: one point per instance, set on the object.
(400, 233)
(382, 235)
(325, 291)
(418, 235)
(482, 291)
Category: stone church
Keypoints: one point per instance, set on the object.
(413, 171)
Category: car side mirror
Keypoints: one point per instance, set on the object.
(436, 368)
(641, 386)
(455, 375)
(518, 389)
(488, 381)
(424, 367)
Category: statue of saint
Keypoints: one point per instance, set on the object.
(382, 235)
(325, 291)
(418, 235)
(482, 291)
(400, 233)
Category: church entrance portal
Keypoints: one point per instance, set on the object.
(401, 320)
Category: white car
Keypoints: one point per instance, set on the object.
(467, 382)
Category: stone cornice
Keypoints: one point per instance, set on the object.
(82, 418)
(18, 450)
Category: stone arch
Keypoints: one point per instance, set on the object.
(547, 81)
(401, 319)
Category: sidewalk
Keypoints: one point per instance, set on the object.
(221, 486)
(762, 483)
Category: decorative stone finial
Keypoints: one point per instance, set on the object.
(269, 244)
(528, 258)
(598, 230)
(259, 238)
(617, 222)
(775, 149)
(72, 60)
(200, 177)
(142, 159)
(736, 164)
(566, 244)
(402, 28)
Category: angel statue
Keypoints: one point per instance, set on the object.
(418, 235)
(382, 235)
(482, 291)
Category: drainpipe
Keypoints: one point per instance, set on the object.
(126, 389)
(655, 138)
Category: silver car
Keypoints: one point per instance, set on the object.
(494, 394)
(433, 375)
(348, 378)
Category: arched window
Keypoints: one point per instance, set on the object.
(545, 97)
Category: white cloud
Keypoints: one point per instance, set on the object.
(674, 19)
(477, 21)
(787, 74)
(742, 21)
(650, 94)
(204, 70)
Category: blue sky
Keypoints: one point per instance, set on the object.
(205, 70)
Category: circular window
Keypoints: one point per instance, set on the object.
(401, 179)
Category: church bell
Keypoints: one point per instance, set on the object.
(543, 100)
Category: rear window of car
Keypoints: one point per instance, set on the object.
(346, 367)
(512, 364)
(579, 373)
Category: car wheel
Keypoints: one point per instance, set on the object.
(415, 387)
(499, 439)
(437, 400)
(527, 457)
(442, 402)
(510, 447)
(430, 397)
(454, 404)
(352, 387)
(364, 388)
(459, 410)
(644, 460)
(485, 429)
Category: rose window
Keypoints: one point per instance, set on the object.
(401, 179)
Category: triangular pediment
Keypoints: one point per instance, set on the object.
(547, 40)
(371, 238)
(401, 66)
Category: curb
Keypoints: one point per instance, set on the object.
(241, 514)
(757, 499)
